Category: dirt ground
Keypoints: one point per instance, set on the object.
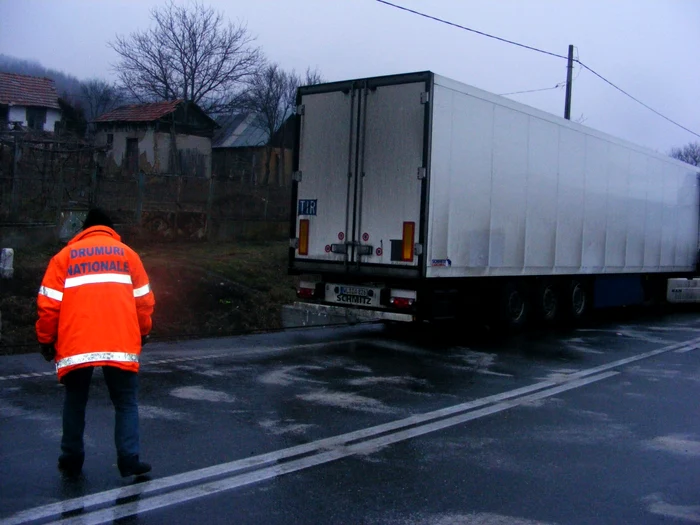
(201, 290)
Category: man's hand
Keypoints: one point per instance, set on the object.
(48, 352)
(144, 339)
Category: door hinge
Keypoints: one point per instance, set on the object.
(425, 97)
(300, 109)
(418, 249)
(422, 173)
(296, 176)
(294, 243)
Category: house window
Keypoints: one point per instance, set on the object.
(4, 116)
(36, 118)
(110, 139)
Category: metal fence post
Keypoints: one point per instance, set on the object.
(210, 203)
(93, 186)
(141, 182)
(15, 177)
(59, 201)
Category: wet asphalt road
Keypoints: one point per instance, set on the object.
(366, 425)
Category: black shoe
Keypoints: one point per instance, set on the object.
(132, 466)
(70, 466)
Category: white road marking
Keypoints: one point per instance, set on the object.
(363, 447)
(500, 402)
(632, 359)
(261, 460)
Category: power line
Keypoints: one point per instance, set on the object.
(561, 84)
(583, 66)
(470, 29)
(636, 99)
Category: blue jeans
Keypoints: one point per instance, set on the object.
(123, 390)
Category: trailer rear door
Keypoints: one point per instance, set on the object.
(361, 181)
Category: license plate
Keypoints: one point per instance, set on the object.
(352, 295)
(352, 290)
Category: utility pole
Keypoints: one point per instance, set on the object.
(569, 71)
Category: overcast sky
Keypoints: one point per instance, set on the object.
(648, 48)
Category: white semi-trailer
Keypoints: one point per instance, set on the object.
(417, 197)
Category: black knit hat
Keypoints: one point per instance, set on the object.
(97, 217)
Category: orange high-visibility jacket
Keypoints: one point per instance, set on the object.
(95, 303)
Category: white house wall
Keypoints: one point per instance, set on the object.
(155, 148)
(52, 116)
(19, 114)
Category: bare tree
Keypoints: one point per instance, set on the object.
(98, 97)
(294, 81)
(265, 99)
(689, 153)
(271, 97)
(191, 53)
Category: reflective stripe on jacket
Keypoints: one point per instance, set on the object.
(95, 302)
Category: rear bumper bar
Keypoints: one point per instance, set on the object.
(307, 314)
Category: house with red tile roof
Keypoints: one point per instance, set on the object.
(172, 137)
(28, 103)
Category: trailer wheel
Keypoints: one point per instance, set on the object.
(513, 307)
(577, 300)
(547, 302)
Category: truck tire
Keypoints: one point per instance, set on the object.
(547, 302)
(513, 308)
(576, 301)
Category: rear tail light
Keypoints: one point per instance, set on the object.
(401, 302)
(409, 230)
(402, 298)
(304, 237)
(306, 290)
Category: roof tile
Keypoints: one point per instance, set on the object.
(140, 112)
(25, 90)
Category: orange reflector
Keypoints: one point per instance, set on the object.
(304, 237)
(409, 230)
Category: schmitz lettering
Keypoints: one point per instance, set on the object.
(354, 299)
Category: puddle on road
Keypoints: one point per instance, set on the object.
(591, 414)
(346, 400)
(388, 380)
(360, 369)
(583, 434)
(656, 505)
(680, 444)
(198, 393)
(280, 428)
(285, 376)
(152, 412)
(582, 349)
(481, 518)
(654, 374)
(559, 374)
(551, 402)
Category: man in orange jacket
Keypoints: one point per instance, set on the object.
(95, 305)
